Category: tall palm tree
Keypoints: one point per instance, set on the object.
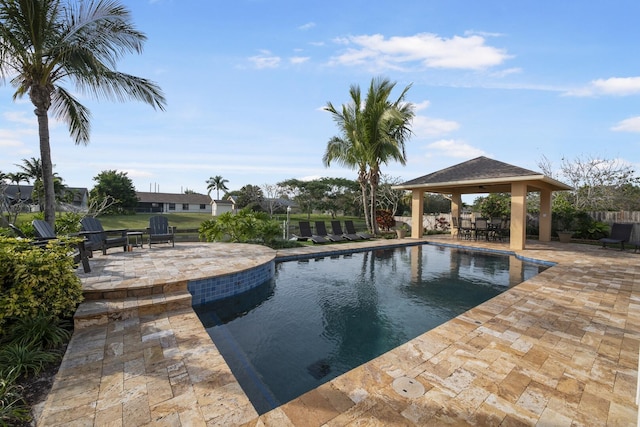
(32, 168)
(387, 128)
(348, 149)
(372, 133)
(217, 183)
(44, 43)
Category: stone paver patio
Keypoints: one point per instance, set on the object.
(560, 349)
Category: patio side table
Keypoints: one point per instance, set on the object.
(137, 236)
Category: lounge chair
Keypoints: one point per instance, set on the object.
(337, 229)
(45, 233)
(306, 234)
(321, 230)
(351, 229)
(99, 237)
(620, 233)
(160, 231)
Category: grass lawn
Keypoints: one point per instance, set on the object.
(192, 221)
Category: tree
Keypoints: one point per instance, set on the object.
(371, 133)
(217, 183)
(307, 194)
(273, 198)
(251, 197)
(44, 44)
(32, 168)
(389, 198)
(115, 185)
(599, 184)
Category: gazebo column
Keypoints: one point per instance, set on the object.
(417, 212)
(518, 216)
(544, 221)
(456, 203)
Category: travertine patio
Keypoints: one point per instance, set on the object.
(560, 349)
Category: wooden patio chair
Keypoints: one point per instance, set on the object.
(160, 231)
(102, 239)
(45, 233)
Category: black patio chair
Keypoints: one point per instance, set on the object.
(620, 233)
(160, 231)
(337, 230)
(100, 238)
(307, 234)
(45, 233)
(321, 230)
(351, 229)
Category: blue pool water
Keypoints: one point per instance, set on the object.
(319, 318)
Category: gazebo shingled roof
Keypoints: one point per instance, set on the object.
(481, 175)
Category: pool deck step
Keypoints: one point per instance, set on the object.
(102, 307)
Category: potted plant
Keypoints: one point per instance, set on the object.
(402, 230)
(565, 215)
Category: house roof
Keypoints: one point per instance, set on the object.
(11, 191)
(482, 175)
(197, 199)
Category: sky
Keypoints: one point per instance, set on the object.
(246, 82)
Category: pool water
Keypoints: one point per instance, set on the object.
(319, 318)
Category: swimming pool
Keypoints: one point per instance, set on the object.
(321, 317)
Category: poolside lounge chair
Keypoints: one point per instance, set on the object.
(306, 234)
(351, 229)
(160, 231)
(99, 237)
(321, 230)
(45, 233)
(620, 233)
(337, 229)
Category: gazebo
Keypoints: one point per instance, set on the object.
(483, 175)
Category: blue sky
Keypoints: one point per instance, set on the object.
(246, 80)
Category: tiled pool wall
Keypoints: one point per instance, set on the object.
(219, 287)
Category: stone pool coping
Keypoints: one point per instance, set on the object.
(558, 349)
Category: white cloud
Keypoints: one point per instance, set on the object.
(418, 106)
(424, 127)
(424, 50)
(617, 86)
(134, 173)
(307, 26)
(298, 59)
(20, 117)
(453, 148)
(265, 60)
(628, 125)
(506, 72)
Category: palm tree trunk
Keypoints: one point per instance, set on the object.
(362, 180)
(47, 166)
(374, 177)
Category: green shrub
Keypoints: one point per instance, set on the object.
(37, 281)
(13, 408)
(243, 227)
(43, 331)
(24, 359)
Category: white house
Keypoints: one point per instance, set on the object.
(218, 207)
(172, 203)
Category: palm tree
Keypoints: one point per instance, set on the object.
(44, 44)
(217, 183)
(348, 149)
(372, 133)
(387, 128)
(32, 168)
